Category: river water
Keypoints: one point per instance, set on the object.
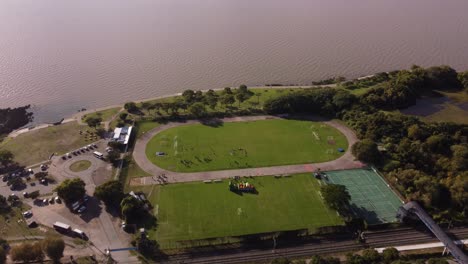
(61, 56)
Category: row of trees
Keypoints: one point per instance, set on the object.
(195, 103)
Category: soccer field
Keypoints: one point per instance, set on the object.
(253, 144)
(193, 211)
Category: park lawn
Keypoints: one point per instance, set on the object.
(37, 145)
(192, 211)
(106, 115)
(12, 224)
(145, 126)
(234, 145)
(80, 165)
(449, 113)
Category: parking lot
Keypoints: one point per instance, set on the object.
(102, 228)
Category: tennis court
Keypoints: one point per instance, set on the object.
(371, 197)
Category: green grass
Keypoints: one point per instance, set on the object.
(37, 145)
(192, 211)
(263, 143)
(106, 115)
(80, 165)
(13, 225)
(449, 113)
(145, 126)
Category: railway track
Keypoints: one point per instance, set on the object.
(386, 238)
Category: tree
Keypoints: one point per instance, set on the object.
(13, 118)
(366, 151)
(281, 261)
(197, 109)
(371, 256)
(336, 196)
(390, 254)
(227, 90)
(463, 78)
(227, 99)
(27, 252)
(354, 259)
(199, 96)
(3, 256)
(6, 157)
(132, 208)
(189, 96)
(243, 94)
(71, 190)
(113, 156)
(54, 247)
(211, 99)
(146, 105)
(111, 193)
(93, 121)
(131, 107)
(123, 116)
(16, 183)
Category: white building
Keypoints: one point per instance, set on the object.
(122, 134)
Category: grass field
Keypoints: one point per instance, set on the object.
(106, 115)
(199, 210)
(245, 145)
(80, 165)
(145, 126)
(37, 145)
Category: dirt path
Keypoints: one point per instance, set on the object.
(347, 161)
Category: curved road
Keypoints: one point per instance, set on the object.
(347, 161)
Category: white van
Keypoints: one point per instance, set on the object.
(79, 233)
(98, 155)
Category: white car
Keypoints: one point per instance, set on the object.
(27, 214)
(82, 209)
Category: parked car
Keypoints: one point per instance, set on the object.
(57, 199)
(27, 214)
(25, 194)
(82, 209)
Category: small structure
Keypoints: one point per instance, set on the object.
(242, 186)
(122, 134)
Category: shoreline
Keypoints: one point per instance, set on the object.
(78, 116)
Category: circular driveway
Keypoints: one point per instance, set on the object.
(347, 161)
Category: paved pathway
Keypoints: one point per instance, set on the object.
(347, 161)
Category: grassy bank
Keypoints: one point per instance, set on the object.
(37, 145)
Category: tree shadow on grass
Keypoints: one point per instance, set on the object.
(212, 122)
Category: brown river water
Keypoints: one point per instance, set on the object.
(61, 56)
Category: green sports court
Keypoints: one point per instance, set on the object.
(371, 197)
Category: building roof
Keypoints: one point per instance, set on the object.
(122, 134)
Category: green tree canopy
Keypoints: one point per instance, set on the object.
(366, 151)
(93, 121)
(390, 254)
(189, 96)
(71, 190)
(336, 196)
(131, 107)
(54, 247)
(197, 109)
(132, 209)
(111, 193)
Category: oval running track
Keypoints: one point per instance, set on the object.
(347, 161)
